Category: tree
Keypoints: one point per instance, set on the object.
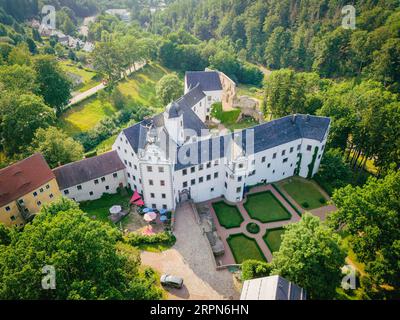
(169, 88)
(54, 85)
(20, 116)
(88, 260)
(18, 78)
(371, 216)
(20, 55)
(310, 255)
(252, 269)
(56, 147)
(109, 61)
(277, 52)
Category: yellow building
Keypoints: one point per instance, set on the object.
(24, 188)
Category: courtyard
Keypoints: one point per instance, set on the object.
(253, 228)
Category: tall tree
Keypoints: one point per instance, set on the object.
(169, 88)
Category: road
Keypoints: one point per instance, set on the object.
(84, 95)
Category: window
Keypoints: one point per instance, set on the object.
(47, 187)
(160, 169)
(162, 183)
(163, 195)
(273, 171)
(239, 179)
(134, 178)
(21, 201)
(208, 177)
(129, 175)
(51, 196)
(149, 169)
(154, 206)
(96, 181)
(192, 169)
(151, 182)
(184, 172)
(39, 203)
(135, 167)
(274, 156)
(152, 195)
(115, 175)
(319, 157)
(285, 160)
(269, 165)
(263, 159)
(291, 150)
(79, 187)
(91, 193)
(201, 179)
(299, 147)
(215, 175)
(212, 189)
(41, 190)
(103, 179)
(323, 147)
(13, 218)
(201, 167)
(226, 186)
(283, 152)
(8, 208)
(240, 165)
(216, 163)
(164, 206)
(107, 188)
(209, 165)
(238, 190)
(130, 164)
(309, 148)
(193, 182)
(185, 184)
(66, 191)
(126, 162)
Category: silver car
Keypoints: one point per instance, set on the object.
(171, 281)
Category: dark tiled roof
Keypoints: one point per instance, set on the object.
(85, 170)
(191, 98)
(23, 177)
(174, 110)
(193, 122)
(208, 80)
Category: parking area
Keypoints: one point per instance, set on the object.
(191, 259)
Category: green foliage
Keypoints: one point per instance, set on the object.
(169, 88)
(370, 214)
(253, 228)
(5, 235)
(63, 204)
(137, 239)
(310, 255)
(15, 78)
(252, 269)
(56, 147)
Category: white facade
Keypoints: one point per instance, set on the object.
(94, 189)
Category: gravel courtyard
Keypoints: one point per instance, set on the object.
(191, 259)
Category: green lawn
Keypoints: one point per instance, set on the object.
(273, 238)
(303, 191)
(100, 208)
(228, 216)
(244, 248)
(90, 77)
(265, 208)
(229, 118)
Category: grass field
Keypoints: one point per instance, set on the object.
(100, 208)
(303, 191)
(140, 89)
(273, 238)
(244, 248)
(89, 77)
(265, 208)
(228, 216)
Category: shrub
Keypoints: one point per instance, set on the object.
(322, 200)
(305, 204)
(253, 228)
(137, 239)
(252, 269)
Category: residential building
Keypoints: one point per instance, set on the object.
(271, 288)
(90, 178)
(24, 188)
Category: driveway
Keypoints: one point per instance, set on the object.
(191, 259)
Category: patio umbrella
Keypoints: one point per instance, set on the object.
(115, 209)
(146, 210)
(163, 218)
(163, 211)
(136, 196)
(148, 217)
(139, 203)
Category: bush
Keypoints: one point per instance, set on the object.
(137, 239)
(305, 205)
(322, 200)
(253, 228)
(252, 269)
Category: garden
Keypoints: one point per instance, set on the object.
(265, 207)
(244, 248)
(304, 192)
(228, 216)
(273, 238)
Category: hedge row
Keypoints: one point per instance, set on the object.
(137, 239)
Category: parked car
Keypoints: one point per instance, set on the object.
(171, 281)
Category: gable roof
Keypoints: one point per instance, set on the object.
(271, 288)
(208, 80)
(23, 177)
(88, 169)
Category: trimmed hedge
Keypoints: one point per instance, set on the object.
(286, 199)
(253, 228)
(137, 239)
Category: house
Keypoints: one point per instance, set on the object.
(90, 178)
(24, 188)
(173, 156)
(271, 288)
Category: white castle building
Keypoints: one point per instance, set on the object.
(173, 156)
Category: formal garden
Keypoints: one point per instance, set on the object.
(273, 238)
(244, 248)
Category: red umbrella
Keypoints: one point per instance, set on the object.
(139, 203)
(136, 196)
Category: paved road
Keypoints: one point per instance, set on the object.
(84, 95)
(191, 259)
